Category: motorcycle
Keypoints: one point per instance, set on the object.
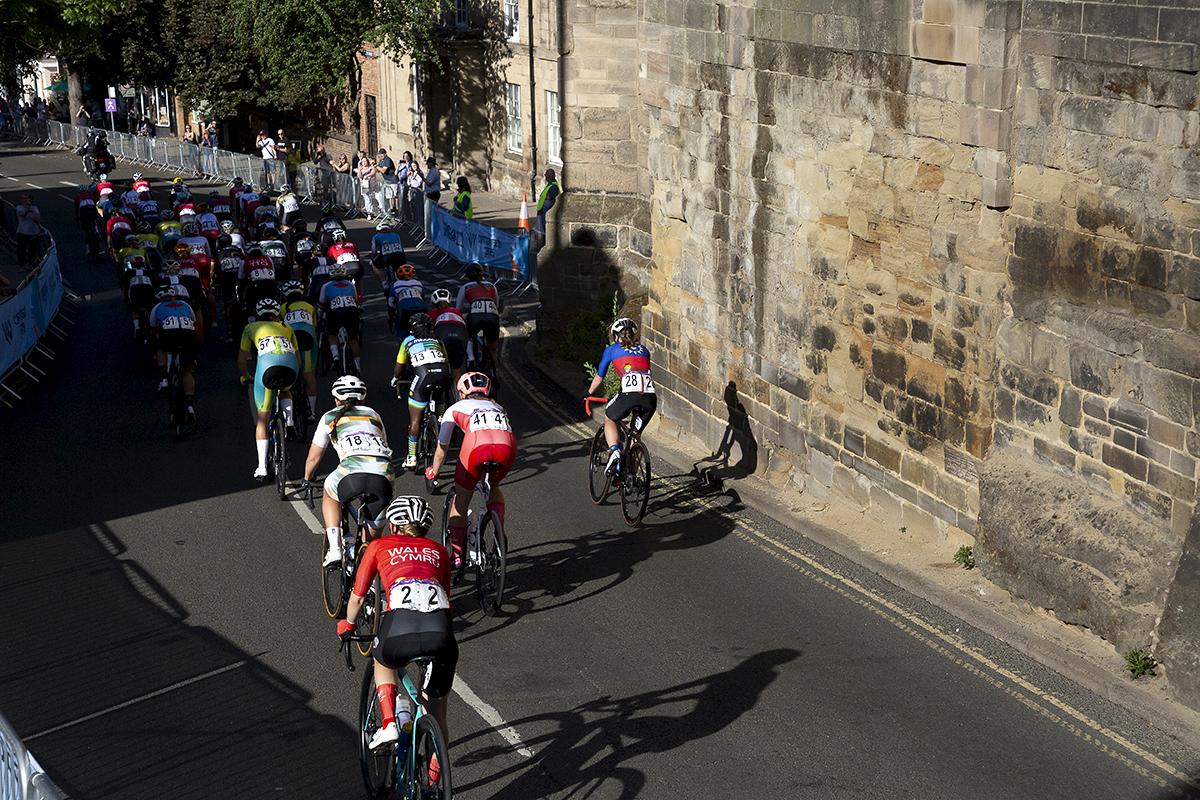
(97, 160)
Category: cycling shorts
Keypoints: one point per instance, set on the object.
(377, 466)
(182, 343)
(140, 298)
(363, 481)
(620, 407)
(488, 323)
(425, 382)
(469, 470)
(273, 372)
(454, 341)
(404, 635)
(347, 318)
(289, 217)
(229, 284)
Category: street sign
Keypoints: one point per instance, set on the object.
(128, 91)
(110, 105)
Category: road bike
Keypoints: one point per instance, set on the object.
(427, 434)
(404, 767)
(631, 476)
(486, 547)
(337, 580)
(481, 361)
(176, 402)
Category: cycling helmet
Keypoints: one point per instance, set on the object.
(166, 292)
(255, 249)
(382, 226)
(337, 270)
(144, 227)
(237, 181)
(409, 510)
(420, 325)
(406, 272)
(299, 224)
(474, 383)
(293, 289)
(339, 235)
(441, 296)
(182, 249)
(474, 271)
(128, 185)
(622, 326)
(171, 268)
(137, 176)
(224, 240)
(202, 208)
(349, 387)
(190, 228)
(267, 306)
(81, 188)
(103, 177)
(132, 241)
(135, 262)
(285, 188)
(214, 193)
(167, 215)
(227, 226)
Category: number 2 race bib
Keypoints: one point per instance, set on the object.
(637, 382)
(418, 596)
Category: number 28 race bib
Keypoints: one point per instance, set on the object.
(637, 382)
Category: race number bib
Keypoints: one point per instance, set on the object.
(197, 248)
(363, 443)
(420, 596)
(139, 280)
(427, 356)
(343, 301)
(298, 317)
(262, 274)
(275, 252)
(305, 246)
(492, 420)
(231, 264)
(637, 382)
(346, 258)
(189, 272)
(390, 248)
(408, 293)
(275, 344)
(178, 324)
(484, 305)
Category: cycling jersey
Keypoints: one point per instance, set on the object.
(119, 223)
(230, 261)
(339, 295)
(303, 246)
(451, 329)
(301, 317)
(480, 304)
(430, 368)
(277, 362)
(487, 436)
(235, 194)
(406, 294)
(414, 571)
(141, 186)
(360, 441)
(174, 324)
(265, 214)
(149, 242)
(170, 224)
(85, 207)
(104, 189)
(210, 226)
(148, 211)
(330, 224)
(220, 207)
(288, 202)
(244, 203)
(343, 252)
(632, 367)
(259, 273)
(197, 244)
(130, 199)
(318, 276)
(276, 250)
(138, 286)
(386, 249)
(184, 208)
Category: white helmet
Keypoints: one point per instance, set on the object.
(348, 387)
(623, 325)
(404, 510)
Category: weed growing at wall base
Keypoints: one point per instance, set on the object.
(965, 556)
(1139, 662)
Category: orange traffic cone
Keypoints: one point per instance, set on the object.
(522, 223)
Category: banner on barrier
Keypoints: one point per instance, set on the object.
(49, 291)
(17, 332)
(475, 243)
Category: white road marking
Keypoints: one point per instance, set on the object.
(127, 703)
(489, 714)
(64, 197)
(35, 186)
(68, 183)
(14, 180)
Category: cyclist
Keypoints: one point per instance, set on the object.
(209, 225)
(231, 260)
(289, 204)
(192, 275)
(118, 227)
(130, 246)
(129, 198)
(301, 317)
(257, 279)
(320, 272)
(248, 203)
(387, 253)
(631, 362)
(173, 327)
(276, 366)
(105, 189)
(274, 249)
(192, 238)
(141, 186)
(219, 206)
(417, 623)
(339, 308)
(329, 223)
(235, 193)
(147, 211)
(430, 373)
(137, 282)
(487, 437)
(404, 299)
(345, 252)
(178, 190)
(265, 215)
(364, 461)
(479, 302)
(148, 240)
(451, 329)
(235, 236)
(86, 214)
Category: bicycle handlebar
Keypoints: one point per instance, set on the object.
(344, 646)
(587, 403)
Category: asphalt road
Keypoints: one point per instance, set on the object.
(166, 634)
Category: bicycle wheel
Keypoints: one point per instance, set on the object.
(378, 766)
(493, 561)
(279, 454)
(456, 574)
(426, 445)
(333, 584)
(300, 414)
(368, 623)
(597, 460)
(430, 744)
(635, 486)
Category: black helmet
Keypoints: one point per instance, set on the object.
(474, 271)
(420, 325)
(224, 240)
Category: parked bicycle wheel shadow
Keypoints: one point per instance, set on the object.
(589, 747)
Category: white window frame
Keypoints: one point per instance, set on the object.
(512, 103)
(512, 20)
(553, 128)
(416, 91)
(462, 13)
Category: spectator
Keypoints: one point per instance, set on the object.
(293, 164)
(342, 165)
(147, 129)
(207, 143)
(29, 228)
(189, 135)
(388, 181)
(545, 202)
(403, 174)
(433, 181)
(83, 116)
(462, 202)
(416, 190)
(267, 145)
(368, 181)
(211, 131)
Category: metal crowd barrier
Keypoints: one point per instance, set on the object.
(21, 777)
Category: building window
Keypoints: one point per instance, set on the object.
(512, 19)
(554, 128)
(513, 96)
(462, 17)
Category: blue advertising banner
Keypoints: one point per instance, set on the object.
(17, 332)
(49, 291)
(475, 243)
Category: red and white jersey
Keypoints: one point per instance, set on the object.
(482, 421)
(447, 315)
(197, 244)
(218, 205)
(235, 194)
(121, 224)
(105, 189)
(478, 297)
(257, 268)
(344, 252)
(184, 207)
(189, 266)
(414, 571)
(142, 186)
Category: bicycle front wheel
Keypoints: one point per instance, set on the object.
(493, 563)
(279, 456)
(597, 461)
(426, 446)
(378, 766)
(635, 486)
(431, 762)
(456, 574)
(333, 583)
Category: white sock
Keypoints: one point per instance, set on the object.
(333, 348)
(312, 404)
(286, 405)
(334, 535)
(262, 452)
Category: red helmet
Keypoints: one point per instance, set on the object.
(474, 383)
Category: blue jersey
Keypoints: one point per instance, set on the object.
(173, 315)
(407, 295)
(625, 359)
(339, 295)
(387, 246)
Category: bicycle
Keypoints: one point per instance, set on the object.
(427, 435)
(391, 768)
(176, 404)
(482, 360)
(277, 460)
(632, 473)
(337, 580)
(486, 547)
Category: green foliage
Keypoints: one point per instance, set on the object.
(1139, 662)
(965, 556)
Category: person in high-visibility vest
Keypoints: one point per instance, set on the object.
(462, 201)
(546, 202)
